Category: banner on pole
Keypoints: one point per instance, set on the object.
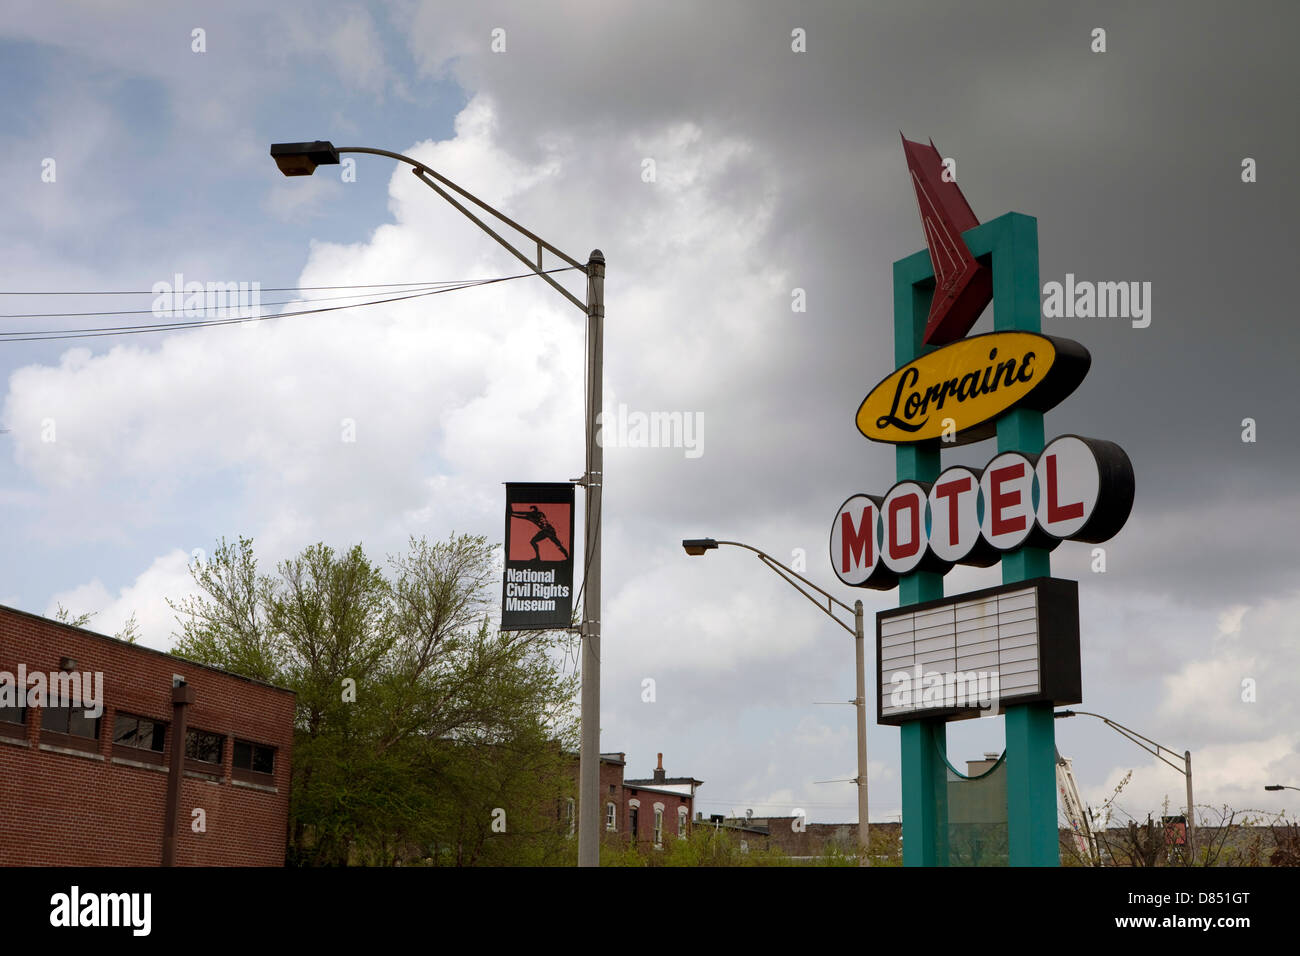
(537, 590)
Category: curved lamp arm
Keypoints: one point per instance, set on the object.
(1146, 743)
(301, 159)
(791, 577)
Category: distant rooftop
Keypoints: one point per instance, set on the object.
(653, 781)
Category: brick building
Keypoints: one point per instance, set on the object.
(87, 785)
(658, 807)
(645, 811)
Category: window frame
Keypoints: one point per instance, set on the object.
(55, 737)
(128, 751)
(205, 767)
(249, 774)
(14, 729)
(611, 816)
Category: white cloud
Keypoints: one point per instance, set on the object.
(168, 577)
(356, 50)
(449, 395)
(1238, 687)
(298, 199)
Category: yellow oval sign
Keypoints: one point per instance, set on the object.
(957, 391)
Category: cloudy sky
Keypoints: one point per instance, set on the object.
(719, 169)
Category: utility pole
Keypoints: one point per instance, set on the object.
(698, 546)
(301, 159)
(589, 756)
(864, 827)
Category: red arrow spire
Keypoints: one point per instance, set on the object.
(963, 287)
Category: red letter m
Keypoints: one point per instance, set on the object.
(856, 543)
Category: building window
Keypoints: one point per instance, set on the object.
(568, 809)
(204, 747)
(140, 733)
(252, 757)
(681, 821)
(611, 818)
(659, 826)
(12, 714)
(632, 821)
(74, 721)
(13, 722)
(139, 738)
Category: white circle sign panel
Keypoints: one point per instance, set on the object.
(1008, 488)
(1069, 481)
(954, 517)
(854, 553)
(903, 515)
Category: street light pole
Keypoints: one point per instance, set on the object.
(1146, 743)
(301, 159)
(864, 825)
(589, 757)
(697, 546)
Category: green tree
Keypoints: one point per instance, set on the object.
(422, 733)
(130, 628)
(64, 616)
(703, 846)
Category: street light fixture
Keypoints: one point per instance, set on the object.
(1146, 743)
(1279, 786)
(301, 159)
(697, 546)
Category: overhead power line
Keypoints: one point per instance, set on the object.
(286, 288)
(321, 298)
(42, 335)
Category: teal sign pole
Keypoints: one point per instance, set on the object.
(922, 742)
(1009, 245)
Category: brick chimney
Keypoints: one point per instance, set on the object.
(659, 771)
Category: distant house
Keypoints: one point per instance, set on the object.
(658, 807)
(645, 811)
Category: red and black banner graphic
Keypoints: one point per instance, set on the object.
(537, 592)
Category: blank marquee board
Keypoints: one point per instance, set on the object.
(976, 653)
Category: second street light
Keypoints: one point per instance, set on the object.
(1151, 747)
(301, 159)
(699, 546)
